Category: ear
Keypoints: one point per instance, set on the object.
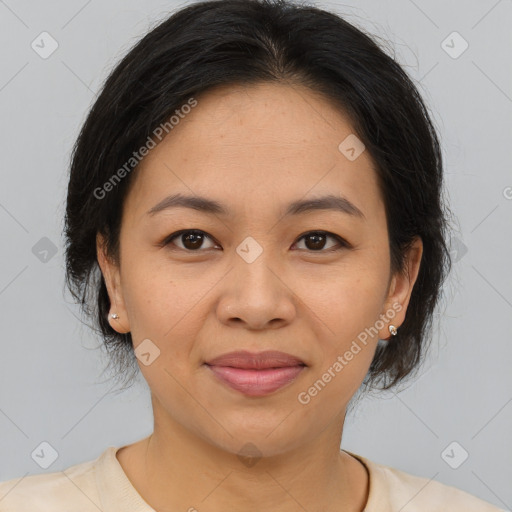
(111, 275)
(400, 290)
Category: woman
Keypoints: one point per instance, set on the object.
(254, 217)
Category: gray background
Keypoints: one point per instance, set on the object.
(50, 384)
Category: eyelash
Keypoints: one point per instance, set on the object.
(343, 244)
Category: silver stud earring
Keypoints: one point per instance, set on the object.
(115, 316)
(393, 330)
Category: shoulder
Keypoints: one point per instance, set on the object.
(71, 489)
(392, 489)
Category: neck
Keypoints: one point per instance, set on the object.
(175, 469)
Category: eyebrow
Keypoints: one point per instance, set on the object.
(203, 204)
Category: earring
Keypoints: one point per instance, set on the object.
(115, 316)
(393, 330)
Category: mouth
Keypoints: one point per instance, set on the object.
(256, 374)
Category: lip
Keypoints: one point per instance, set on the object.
(256, 360)
(256, 374)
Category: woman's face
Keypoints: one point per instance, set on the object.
(258, 279)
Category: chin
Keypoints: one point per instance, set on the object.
(258, 439)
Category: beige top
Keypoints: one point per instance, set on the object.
(102, 485)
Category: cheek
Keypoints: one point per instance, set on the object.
(352, 299)
(160, 304)
(349, 308)
(347, 349)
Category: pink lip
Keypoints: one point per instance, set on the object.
(256, 374)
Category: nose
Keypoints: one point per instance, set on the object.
(256, 296)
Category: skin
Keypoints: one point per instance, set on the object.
(254, 149)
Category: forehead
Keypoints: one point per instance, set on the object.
(260, 142)
(259, 114)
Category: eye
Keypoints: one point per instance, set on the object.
(315, 241)
(192, 240)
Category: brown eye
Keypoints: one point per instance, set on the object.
(316, 241)
(191, 240)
